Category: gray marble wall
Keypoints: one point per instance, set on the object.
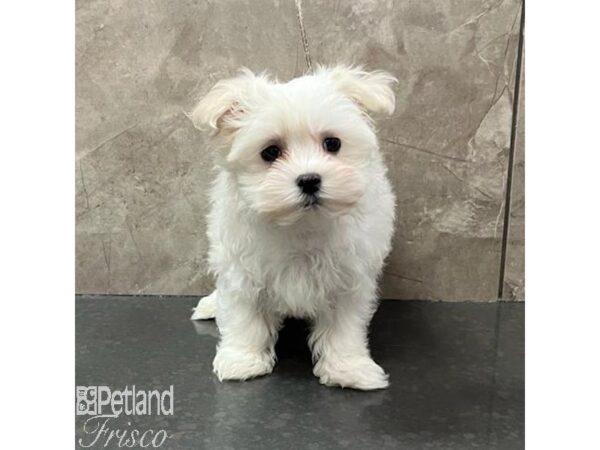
(514, 280)
(142, 169)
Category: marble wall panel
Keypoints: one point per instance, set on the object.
(514, 277)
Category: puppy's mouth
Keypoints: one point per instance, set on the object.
(310, 202)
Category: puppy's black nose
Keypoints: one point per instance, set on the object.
(309, 183)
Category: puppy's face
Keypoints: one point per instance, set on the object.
(298, 148)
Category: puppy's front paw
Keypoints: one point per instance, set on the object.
(236, 364)
(359, 372)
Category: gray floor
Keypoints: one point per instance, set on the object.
(456, 371)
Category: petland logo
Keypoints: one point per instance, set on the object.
(105, 405)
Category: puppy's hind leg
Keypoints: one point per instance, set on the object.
(206, 308)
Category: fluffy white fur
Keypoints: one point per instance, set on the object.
(272, 256)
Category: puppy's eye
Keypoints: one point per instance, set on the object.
(271, 153)
(332, 144)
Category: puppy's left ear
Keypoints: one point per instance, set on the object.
(372, 91)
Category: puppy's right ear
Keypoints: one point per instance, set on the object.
(224, 105)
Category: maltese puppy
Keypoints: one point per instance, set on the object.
(301, 219)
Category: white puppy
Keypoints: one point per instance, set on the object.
(301, 219)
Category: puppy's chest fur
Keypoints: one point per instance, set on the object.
(308, 274)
